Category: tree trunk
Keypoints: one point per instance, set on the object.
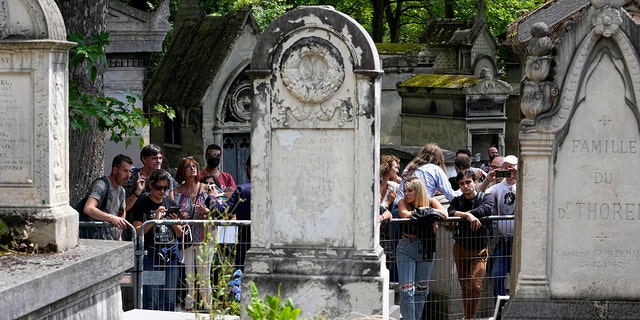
(393, 20)
(377, 22)
(86, 148)
(448, 9)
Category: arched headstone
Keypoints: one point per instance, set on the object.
(315, 135)
(34, 186)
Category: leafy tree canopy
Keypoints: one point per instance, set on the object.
(407, 18)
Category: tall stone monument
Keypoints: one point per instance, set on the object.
(315, 134)
(34, 186)
(578, 217)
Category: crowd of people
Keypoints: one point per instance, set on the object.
(137, 194)
(133, 195)
(473, 194)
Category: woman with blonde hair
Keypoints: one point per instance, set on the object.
(417, 248)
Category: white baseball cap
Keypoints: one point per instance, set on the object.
(510, 159)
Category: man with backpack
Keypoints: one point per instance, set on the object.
(105, 201)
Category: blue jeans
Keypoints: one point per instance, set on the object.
(161, 297)
(413, 276)
(501, 266)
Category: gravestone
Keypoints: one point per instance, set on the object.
(34, 152)
(82, 280)
(578, 215)
(315, 134)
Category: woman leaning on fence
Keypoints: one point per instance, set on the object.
(417, 248)
(160, 241)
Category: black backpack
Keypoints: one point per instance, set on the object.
(101, 205)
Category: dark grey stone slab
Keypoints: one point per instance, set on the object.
(81, 283)
(570, 309)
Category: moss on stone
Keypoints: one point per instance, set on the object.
(393, 48)
(450, 81)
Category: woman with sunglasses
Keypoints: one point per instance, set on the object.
(160, 241)
(191, 196)
(416, 249)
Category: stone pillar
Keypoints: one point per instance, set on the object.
(535, 171)
(315, 159)
(34, 161)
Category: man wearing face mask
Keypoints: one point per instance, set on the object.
(222, 180)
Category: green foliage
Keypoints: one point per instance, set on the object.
(413, 13)
(120, 119)
(91, 53)
(499, 13)
(270, 308)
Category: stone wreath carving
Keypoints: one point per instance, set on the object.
(238, 101)
(312, 70)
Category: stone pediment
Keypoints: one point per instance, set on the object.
(31, 19)
(133, 30)
(488, 85)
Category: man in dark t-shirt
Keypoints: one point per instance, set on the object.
(470, 249)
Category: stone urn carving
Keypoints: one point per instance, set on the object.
(536, 92)
(538, 68)
(536, 97)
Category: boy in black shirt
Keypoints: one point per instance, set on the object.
(470, 249)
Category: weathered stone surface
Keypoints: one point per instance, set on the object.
(578, 211)
(82, 283)
(31, 19)
(315, 134)
(34, 183)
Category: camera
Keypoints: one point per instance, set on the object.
(171, 210)
(503, 174)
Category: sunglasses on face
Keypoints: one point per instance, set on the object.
(160, 188)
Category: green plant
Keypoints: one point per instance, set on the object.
(120, 119)
(14, 238)
(270, 308)
(222, 301)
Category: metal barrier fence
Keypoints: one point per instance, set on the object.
(224, 240)
(444, 300)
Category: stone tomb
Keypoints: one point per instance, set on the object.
(579, 214)
(315, 134)
(82, 281)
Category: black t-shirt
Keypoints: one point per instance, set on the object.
(160, 236)
(481, 206)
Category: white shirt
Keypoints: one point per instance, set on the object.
(434, 178)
